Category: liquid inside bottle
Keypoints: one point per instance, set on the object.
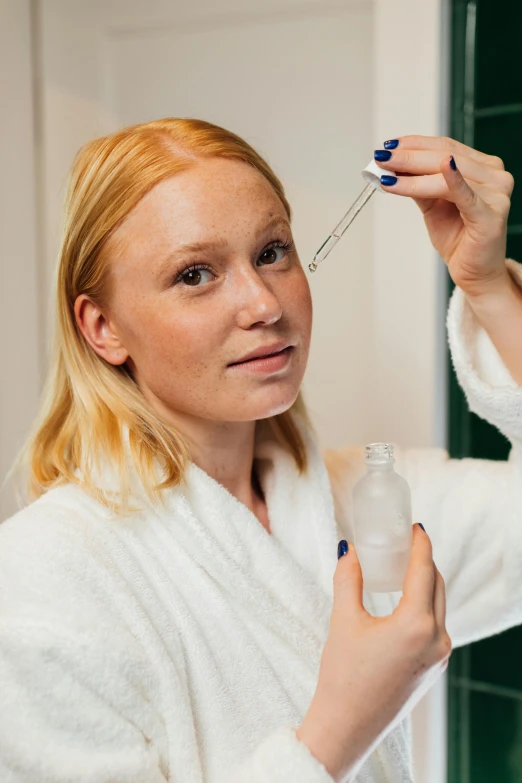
(382, 521)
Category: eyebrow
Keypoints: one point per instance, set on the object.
(199, 247)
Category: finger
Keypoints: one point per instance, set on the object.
(348, 583)
(498, 200)
(417, 142)
(419, 583)
(448, 185)
(425, 194)
(429, 186)
(439, 599)
(472, 208)
(429, 162)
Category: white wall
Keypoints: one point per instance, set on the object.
(376, 363)
(295, 79)
(19, 279)
(410, 95)
(341, 78)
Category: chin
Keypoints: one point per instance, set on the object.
(272, 407)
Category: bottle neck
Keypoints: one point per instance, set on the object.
(386, 465)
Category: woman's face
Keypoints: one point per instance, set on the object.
(179, 330)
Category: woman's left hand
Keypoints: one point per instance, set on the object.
(465, 210)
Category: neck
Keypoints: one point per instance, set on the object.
(225, 451)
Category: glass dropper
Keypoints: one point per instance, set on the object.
(372, 174)
(341, 227)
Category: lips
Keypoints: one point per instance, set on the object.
(263, 351)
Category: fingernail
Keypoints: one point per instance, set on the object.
(382, 155)
(342, 548)
(453, 164)
(388, 181)
(422, 526)
(391, 144)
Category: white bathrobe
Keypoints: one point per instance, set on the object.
(184, 645)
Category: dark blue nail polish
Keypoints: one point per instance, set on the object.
(392, 144)
(453, 164)
(342, 548)
(388, 181)
(382, 155)
(422, 526)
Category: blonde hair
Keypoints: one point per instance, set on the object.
(87, 402)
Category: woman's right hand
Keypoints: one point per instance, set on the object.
(374, 670)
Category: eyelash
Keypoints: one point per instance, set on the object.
(286, 246)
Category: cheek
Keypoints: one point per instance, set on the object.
(177, 339)
(299, 302)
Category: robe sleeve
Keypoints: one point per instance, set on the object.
(281, 758)
(74, 689)
(471, 508)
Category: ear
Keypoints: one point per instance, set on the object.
(98, 331)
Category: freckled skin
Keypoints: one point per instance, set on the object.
(178, 338)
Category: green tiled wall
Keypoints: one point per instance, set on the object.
(485, 711)
(485, 679)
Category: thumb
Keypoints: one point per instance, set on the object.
(348, 581)
(467, 201)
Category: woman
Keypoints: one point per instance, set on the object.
(171, 606)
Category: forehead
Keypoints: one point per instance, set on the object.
(209, 194)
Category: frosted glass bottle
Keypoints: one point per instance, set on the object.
(382, 521)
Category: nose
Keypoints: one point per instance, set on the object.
(255, 299)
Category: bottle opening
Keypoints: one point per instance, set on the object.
(379, 452)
